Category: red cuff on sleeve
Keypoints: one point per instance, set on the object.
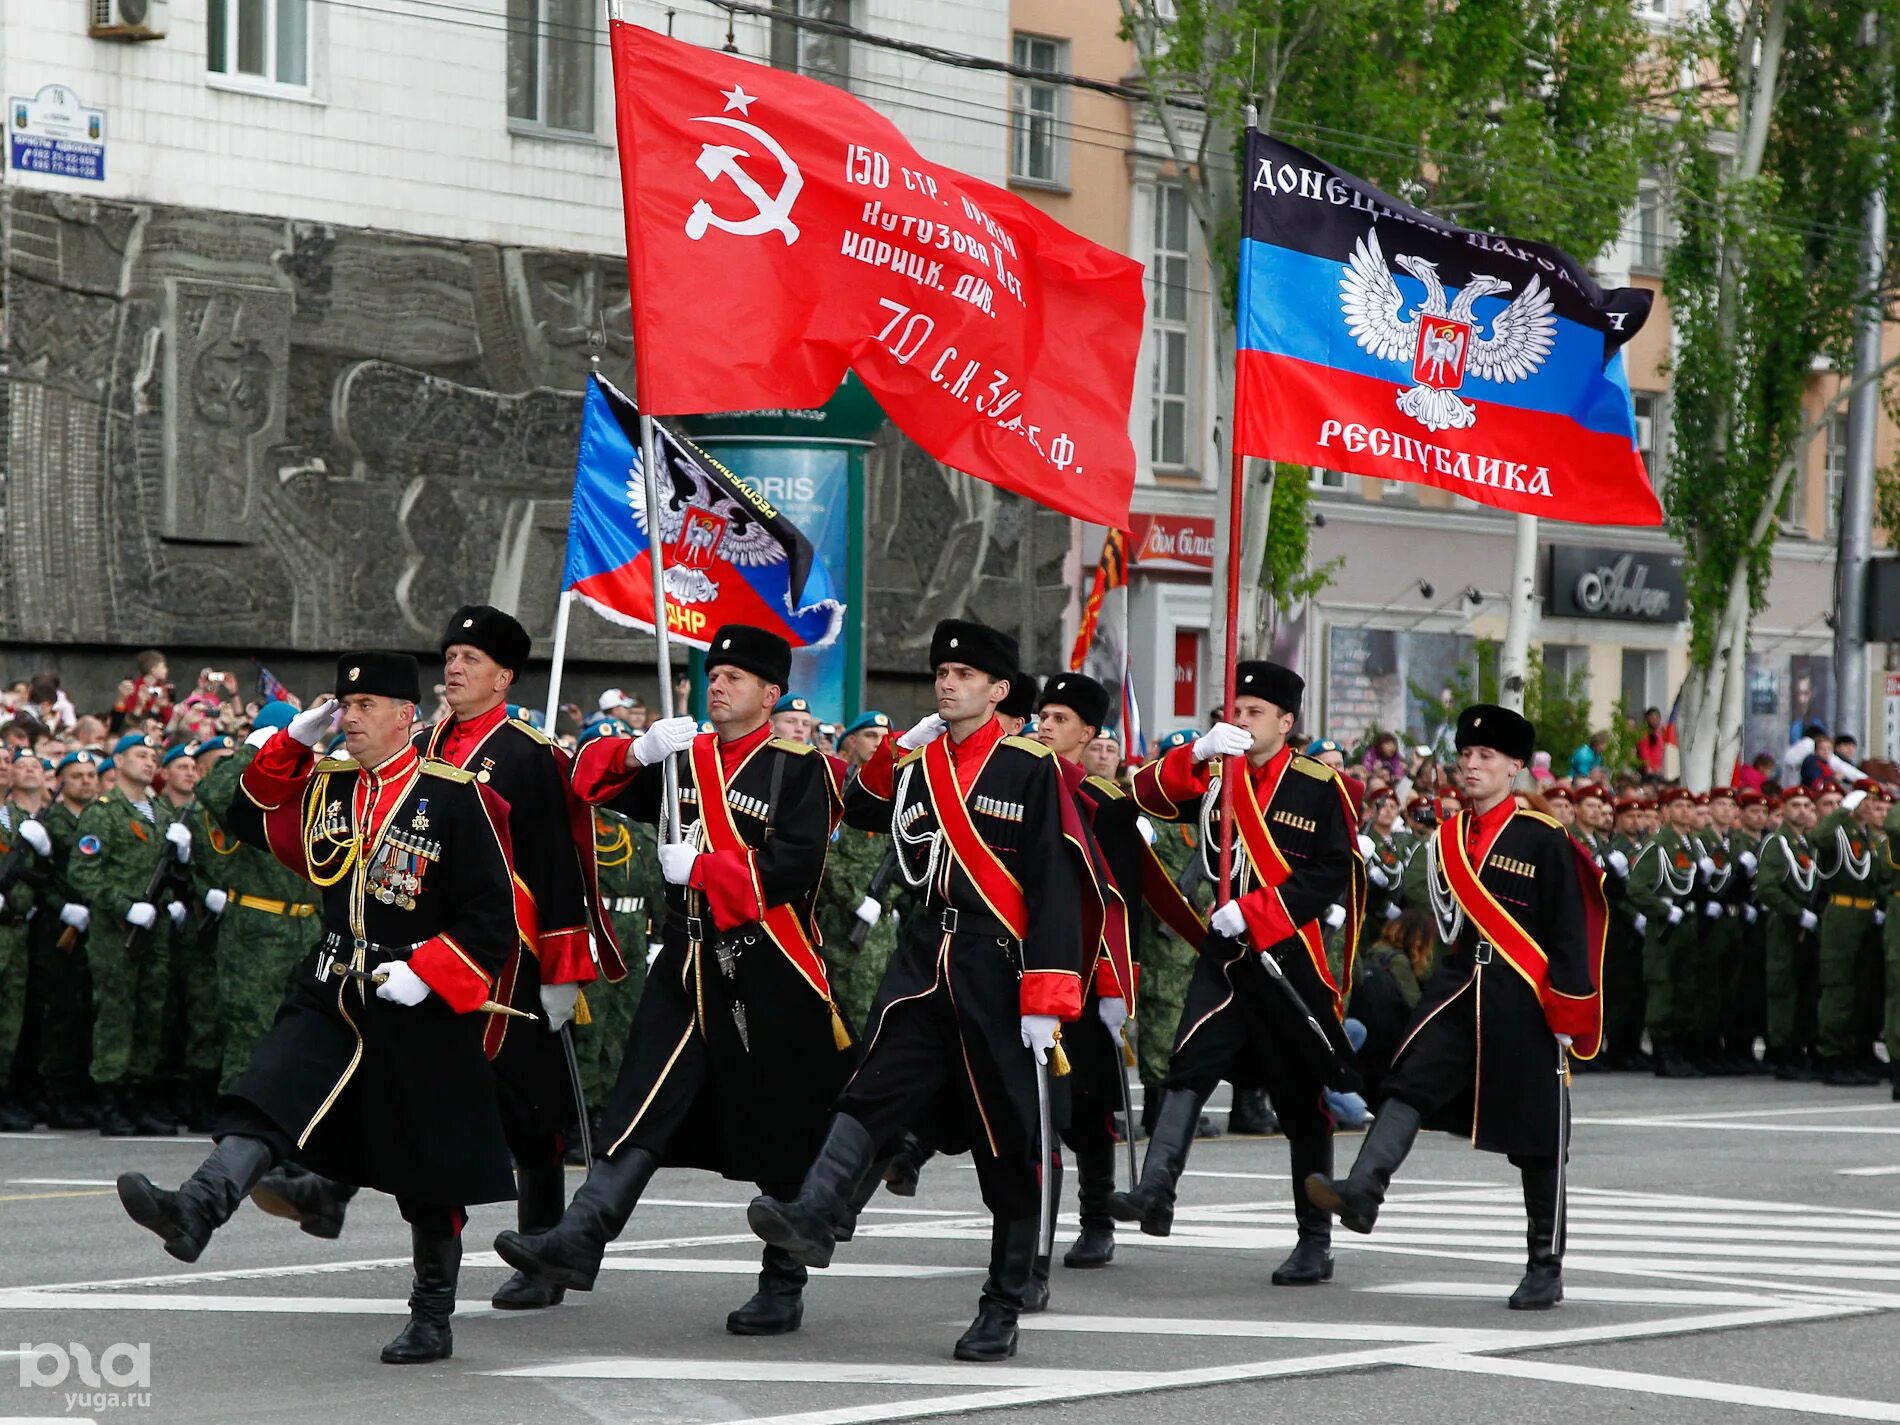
(878, 775)
(1108, 984)
(565, 958)
(277, 772)
(448, 971)
(1267, 920)
(1057, 992)
(1568, 1014)
(600, 770)
(732, 892)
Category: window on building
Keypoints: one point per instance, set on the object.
(551, 57)
(1649, 431)
(1168, 309)
(267, 40)
(1647, 229)
(1037, 151)
(1835, 467)
(811, 49)
(1566, 670)
(1319, 478)
(1645, 680)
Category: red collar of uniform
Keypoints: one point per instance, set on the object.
(731, 754)
(1483, 828)
(464, 735)
(967, 756)
(394, 768)
(1269, 770)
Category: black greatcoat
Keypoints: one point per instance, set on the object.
(1479, 1058)
(692, 1089)
(1095, 1056)
(1237, 1025)
(381, 1095)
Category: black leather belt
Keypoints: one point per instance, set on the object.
(955, 921)
(347, 944)
(1482, 952)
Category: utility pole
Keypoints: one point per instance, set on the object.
(1514, 665)
(1863, 429)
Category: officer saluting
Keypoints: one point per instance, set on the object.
(1295, 854)
(1520, 905)
(736, 1050)
(373, 1073)
(985, 969)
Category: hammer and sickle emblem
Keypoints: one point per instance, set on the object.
(770, 214)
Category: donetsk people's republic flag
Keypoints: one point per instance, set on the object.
(1378, 340)
(731, 557)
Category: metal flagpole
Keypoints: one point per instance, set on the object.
(663, 655)
(562, 610)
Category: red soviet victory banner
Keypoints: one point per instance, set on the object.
(780, 231)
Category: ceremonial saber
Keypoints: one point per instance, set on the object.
(1128, 1103)
(1563, 1145)
(485, 1007)
(580, 1094)
(1045, 1139)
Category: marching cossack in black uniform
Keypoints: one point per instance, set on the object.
(386, 1086)
(987, 966)
(1520, 905)
(1264, 1008)
(736, 1051)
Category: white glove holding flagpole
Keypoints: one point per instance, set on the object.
(663, 739)
(676, 862)
(1229, 921)
(928, 729)
(1223, 739)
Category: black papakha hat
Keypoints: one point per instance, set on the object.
(1079, 693)
(386, 675)
(1488, 725)
(497, 634)
(1278, 685)
(1020, 700)
(988, 649)
(740, 645)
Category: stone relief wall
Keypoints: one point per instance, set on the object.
(244, 431)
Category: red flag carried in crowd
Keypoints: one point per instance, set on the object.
(1110, 573)
(780, 231)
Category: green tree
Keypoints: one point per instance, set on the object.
(1559, 707)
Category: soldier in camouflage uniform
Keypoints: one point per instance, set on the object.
(1722, 887)
(56, 939)
(188, 1040)
(1744, 987)
(1786, 892)
(858, 893)
(123, 837)
(24, 845)
(269, 917)
(1853, 893)
(1890, 946)
(626, 859)
(1664, 889)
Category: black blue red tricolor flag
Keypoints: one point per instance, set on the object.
(1378, 340)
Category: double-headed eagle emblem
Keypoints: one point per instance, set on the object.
(1441, 340)
(699, 524)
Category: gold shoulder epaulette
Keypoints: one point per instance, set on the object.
(1028, 744)
(338, 764)
(522, 724)
(785, 744)
(911, 756)
(1313, 767)
(1107, 787)
(1536, 815)
(435, 767)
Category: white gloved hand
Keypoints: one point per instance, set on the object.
(75, 915)
(1641, 922)
(654, 949)
(868, 911)
(1619, 863)
(1229, 921)
(176, 910)
(1713, 910)
(259, 736)
(1366, 848)
(663, 739)
(1039, 1035)
(676, 862)
(557, 1003)
(403, 985)
(1748, 915)
(1564, 1040)
(34, 835)
(1223, 739)
(143, 914)
(180, 836)
(1376, 874)
(216, 900)
(1113, 1011)
(1675, 915)
(1707, 864)
(1880, 917)
(928, 729)
(1392, 911)
(1335, 916)
(1146, 828)
(316, 722)
(1809, 920)
(1748, 861)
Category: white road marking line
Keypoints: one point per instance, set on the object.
(822, 1373)
(1871, 1106)
(1407, 1332)
(241, 1305)
(1553, 1373)
(62, 1182)
(1678, 1123)
(749, 1266)
(1885, 1172)
(1596, 1295)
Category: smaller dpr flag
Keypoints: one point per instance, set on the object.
(730, 556)
(1111, 572)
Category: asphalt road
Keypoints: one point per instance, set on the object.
(1734, 1256)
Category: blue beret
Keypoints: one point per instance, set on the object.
(85, 756)
(1319, 745)
(791, 702)
(274, 714)
(19, 753)
(46, 763)
(868, 719)
(606, 727)
(183, 749)
(220, 743)
(1180, 737)
(135, 739)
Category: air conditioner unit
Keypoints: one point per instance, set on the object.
(126, 19)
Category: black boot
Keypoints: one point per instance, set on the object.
(569, 1253)
(778, 1306)
(1543, 1284)
(204, 1202)
(1036, 1296)
(66, 1109)
(1843, 1073)
(114, 1120)
(992, 1336)
(145, 1105)
(16, 1119)
(807, 1227)
(1150, 1106)
(1311, 1261)
(1151, 1201)
(312, 1201)
(540, 1198)
(906, 1165)
(437, 1258)
(1250, 1113)
(1355, 1199)
(1095, 1180)
(1669, 1063)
